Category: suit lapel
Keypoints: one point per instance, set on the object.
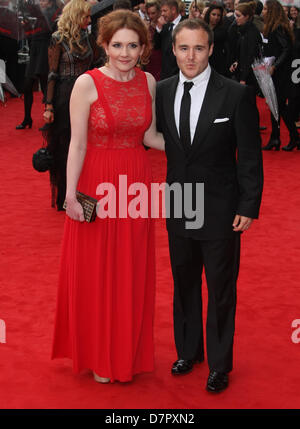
(212, 102)
(169, 101)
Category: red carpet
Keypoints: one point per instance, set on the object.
(266, 361)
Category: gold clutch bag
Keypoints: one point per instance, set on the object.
(89, 206)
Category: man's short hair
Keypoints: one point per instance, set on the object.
(170, 4)
(193, 24)
(122, 4)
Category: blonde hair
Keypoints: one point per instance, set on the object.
(199, 4)
(70, 22)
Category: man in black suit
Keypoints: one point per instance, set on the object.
(170, 17)
(210, 126)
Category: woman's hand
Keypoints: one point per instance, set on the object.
(74, 210)
(48, 116)
(152, 138)
(233, 67)
(271, 70)
(49, 113)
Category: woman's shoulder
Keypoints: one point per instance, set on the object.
(85, 88)
(278, 30)
(85, 81)
(150, 78)
(55, 37)
(56, 40)
(253, 30)
(151, 82)
(281, 35)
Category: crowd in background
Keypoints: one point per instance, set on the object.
(241, 33)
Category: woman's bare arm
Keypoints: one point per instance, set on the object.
(83, 95)
(152, 137)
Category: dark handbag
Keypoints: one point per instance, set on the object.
(89, 206)
(42, 160)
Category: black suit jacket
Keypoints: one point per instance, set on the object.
(281, 47)
(225, 155)
(169, 65)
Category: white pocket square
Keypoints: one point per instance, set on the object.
(216, 121)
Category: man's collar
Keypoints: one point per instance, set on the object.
(197, 80)
(176, 20)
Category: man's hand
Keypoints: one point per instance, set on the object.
(160, 22)
(241, 223)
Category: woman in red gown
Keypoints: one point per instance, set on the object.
(105, 305)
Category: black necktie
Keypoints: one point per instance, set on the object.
(171, 25)
(184, 118)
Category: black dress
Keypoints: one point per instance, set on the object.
(218, 59)
(37, 68)
(294, 95)
(64, 68)
(280, 46)
(39, 43)
(249, 44)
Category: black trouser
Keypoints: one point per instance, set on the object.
(220, 258)
(28, 93)
(9, 53)
(284, 110)
(287, 117)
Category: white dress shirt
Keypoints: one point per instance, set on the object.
(197, 95)
(176, 21)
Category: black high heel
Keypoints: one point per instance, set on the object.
(292, 144)
(24, 124)
(273, 143)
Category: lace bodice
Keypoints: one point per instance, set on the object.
(121, 114)
(65, 64)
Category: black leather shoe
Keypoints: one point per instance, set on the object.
(273, 143)
(26, 123)
(217, 381)
(182, 366)
(292, 144)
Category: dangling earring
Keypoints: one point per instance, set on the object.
(107, 61)
(139, 62)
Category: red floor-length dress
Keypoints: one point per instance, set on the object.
(105, 304)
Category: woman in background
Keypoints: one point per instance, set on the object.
(248, 46)
(294, 12)
(280, 37)
(214, 18)
(72, 52)
(38, 58)
(154, 63)
(196, 9)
